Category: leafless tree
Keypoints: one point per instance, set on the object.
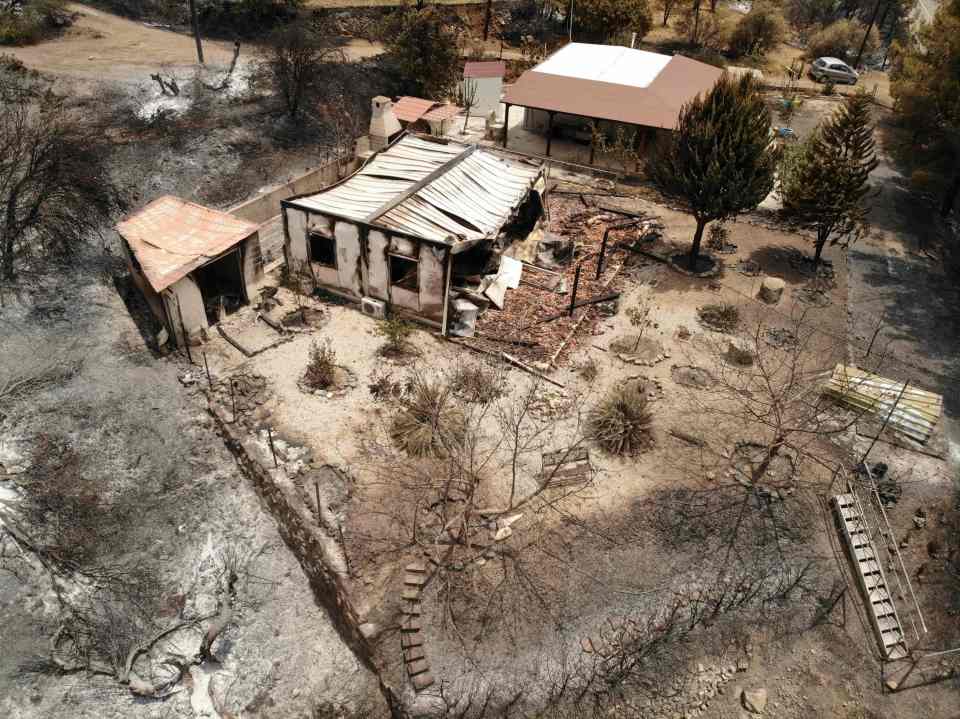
(295, 58)
(468, 97)
(55, 188)
(478, 494)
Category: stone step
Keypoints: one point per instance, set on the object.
(412, 579)
(412, 608)
(422, 681)
(417, 567)
(411, 639)
(417, 666)
(411, 624)
(413, 653)
(411, 594)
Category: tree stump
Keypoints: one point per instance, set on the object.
(771, 290)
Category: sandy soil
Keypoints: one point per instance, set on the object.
(102, 46)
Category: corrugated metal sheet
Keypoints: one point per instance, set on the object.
(471, 200)
(443, 112)
(915, 414)
(171, 237)
(411, 109)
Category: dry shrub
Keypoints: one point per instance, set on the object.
(622, 423)
(322, 367)
(723, 318)
(429, 424)
(477, 383)
(589, 370)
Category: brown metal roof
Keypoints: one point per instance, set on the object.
(442, 112)
(171, 237)
(657, 105)
(496, 68)
(411, 109)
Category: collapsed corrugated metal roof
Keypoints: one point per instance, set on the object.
(438, 192)
(171, 237)
(911, 410)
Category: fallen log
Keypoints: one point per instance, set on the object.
(278, 326)
(239, 347)
(527, 368)
(689, 438)
(521, 343)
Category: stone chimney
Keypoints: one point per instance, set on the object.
(384, 124)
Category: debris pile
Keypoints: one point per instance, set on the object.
(536, 316)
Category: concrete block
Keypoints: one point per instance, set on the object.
(414, 580)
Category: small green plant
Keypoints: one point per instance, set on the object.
(622, 423)
(829, 87)
(397, 333)
(321, 371)
(722, 318)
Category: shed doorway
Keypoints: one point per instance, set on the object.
(222, 286)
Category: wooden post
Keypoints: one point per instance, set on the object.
(603, 252)
(183, 330)
(875, 333)
(506, 123)
(573, 295)
(550, 131)
(272, 450)
(233, 398)
(207, 367)
(316, 489)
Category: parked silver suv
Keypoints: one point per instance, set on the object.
(834, 70)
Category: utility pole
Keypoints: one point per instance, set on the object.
(873, 18)
(196, 30)
(571, 20)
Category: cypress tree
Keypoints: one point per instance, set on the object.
(720, 160)
(825, 180)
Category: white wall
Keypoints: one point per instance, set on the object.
(489, 90)
(378, 274)
(184, 301)
(297, 250)
(348, 258)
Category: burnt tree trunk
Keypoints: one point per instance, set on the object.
(695, 248)
(196, 30)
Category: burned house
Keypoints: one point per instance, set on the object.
(418, 218)
(192, 263)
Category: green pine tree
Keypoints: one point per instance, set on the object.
(720, 160)
(825, 180)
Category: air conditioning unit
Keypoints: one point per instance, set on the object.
(374, 308)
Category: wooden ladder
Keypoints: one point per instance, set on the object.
(873, 582)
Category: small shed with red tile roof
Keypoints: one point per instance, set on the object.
(191, 262)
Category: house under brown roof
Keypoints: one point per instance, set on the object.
(613, 83)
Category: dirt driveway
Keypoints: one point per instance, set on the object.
(101, 46)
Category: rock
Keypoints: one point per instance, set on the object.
(771, 290)
(754, 700)
(502, 533)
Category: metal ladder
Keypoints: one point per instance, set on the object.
(873, 582)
